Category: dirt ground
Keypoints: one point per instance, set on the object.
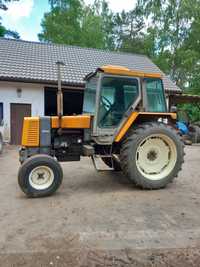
(100, 219)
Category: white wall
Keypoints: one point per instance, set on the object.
(31, 94)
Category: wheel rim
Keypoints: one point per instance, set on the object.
(156, 156)
(41, 177)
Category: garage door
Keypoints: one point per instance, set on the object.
(18, 112)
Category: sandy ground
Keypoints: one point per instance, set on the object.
(100, 219)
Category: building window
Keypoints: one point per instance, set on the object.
(1, 112)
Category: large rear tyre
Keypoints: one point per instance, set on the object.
(112, 163)
(152, 155)
(40, 176)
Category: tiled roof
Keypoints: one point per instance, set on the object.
(35, 62)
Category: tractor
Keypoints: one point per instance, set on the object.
(125, 122)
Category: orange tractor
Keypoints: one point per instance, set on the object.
(125, 122)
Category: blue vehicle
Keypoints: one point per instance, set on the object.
(183, 128)
(189, 131)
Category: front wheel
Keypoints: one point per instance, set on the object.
(152, 155)
(40, 176)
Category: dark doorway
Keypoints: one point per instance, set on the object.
(17, 113)
(72, 101)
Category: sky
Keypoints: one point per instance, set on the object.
(25, 16)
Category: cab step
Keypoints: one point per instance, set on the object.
(97, 163)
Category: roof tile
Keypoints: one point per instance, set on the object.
(35, 62)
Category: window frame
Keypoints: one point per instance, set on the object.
(138, 98)
(85, 91)
(145, 97)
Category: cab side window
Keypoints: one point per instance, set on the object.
(155, 96)
(90, 96)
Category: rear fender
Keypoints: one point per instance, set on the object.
(141, 117)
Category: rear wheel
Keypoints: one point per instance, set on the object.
(152, 155)
(40, 176)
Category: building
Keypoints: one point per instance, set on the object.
(28, 79)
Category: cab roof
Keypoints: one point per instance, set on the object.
(120, 70)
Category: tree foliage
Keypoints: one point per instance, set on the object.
(61, 25)
(3, 4)
(71, 22)
(3, 31)
(173, 21)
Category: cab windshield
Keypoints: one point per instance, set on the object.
(117, 95)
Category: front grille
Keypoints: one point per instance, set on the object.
(30, 136)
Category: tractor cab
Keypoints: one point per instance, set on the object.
(113, 92)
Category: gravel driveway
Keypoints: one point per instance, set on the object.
(100, 219)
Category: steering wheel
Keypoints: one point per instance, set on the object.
(106, 102)
(108, 106)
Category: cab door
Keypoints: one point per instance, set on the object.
(115, 96)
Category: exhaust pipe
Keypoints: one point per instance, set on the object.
(59, 93)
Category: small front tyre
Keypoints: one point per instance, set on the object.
(40, 176)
